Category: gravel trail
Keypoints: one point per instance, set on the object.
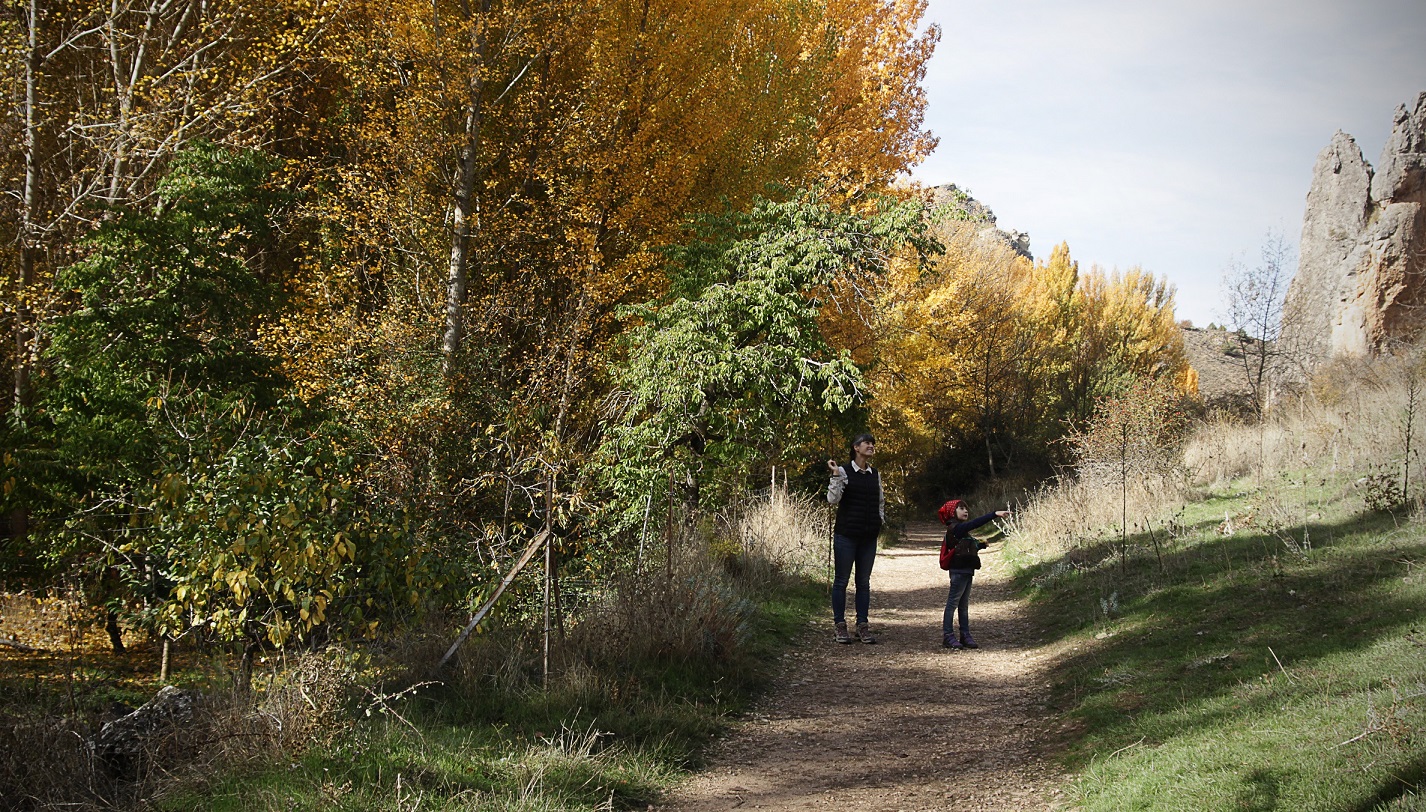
(903, 725)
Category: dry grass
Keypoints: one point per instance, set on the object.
(46, 761)
(787, 532)
(654, 634)
(1351, 428)
(692, 609)
(697, 607)
(1354, 421)
(1060, 516)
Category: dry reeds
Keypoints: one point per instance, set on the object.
(787, 532)
(1060, 516)
(694, 608)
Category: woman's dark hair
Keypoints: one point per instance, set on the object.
(862, 438)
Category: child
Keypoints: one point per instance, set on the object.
(963, 566)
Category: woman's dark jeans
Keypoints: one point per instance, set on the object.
(847, 553)
(958, 601)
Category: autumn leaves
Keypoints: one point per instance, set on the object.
(387, 299)
(319, 309)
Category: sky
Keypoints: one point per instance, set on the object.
(1175, 136)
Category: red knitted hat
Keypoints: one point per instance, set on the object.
(948, 511)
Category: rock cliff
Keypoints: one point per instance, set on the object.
(950, 196)
(1359, 287)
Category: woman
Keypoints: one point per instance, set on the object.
(861, 508)
(965, 560)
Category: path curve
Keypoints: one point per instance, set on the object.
(902, 725)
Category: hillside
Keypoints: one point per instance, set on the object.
(1215, 354)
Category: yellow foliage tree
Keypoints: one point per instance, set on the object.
(487, 185)
(480, 188)
(988, 359)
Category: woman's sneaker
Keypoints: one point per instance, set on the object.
(864, 633)
(843, 636)
(968, 641)
(950, 641)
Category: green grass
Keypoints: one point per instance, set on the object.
(1245, 671)
(449, 767)
(612, 738)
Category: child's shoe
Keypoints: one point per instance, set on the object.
(950, 641)
(968, 641)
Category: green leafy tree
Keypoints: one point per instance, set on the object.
(731, 368)
(163, 310)
(261, 533)
(171, 472)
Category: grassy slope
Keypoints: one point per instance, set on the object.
(1245, 671)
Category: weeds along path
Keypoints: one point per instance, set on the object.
(904, 724)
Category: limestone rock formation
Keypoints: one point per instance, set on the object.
(1360, 286)
(1338, 207)
(1401, 173)
(949, 195)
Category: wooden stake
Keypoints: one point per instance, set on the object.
(489, 603)
(549, 571)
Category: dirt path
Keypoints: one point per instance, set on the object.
(903, 725)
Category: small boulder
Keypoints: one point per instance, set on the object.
(122, 746)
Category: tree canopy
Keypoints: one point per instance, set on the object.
(316, 312)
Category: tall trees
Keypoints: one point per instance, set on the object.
(107, 93)
(601, 131)
(869, 124)
(473, 196)
(103, 95)
(989, 360)
(731, 364)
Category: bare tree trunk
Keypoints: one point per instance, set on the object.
(465, 200)
(549, 576)
(116, 636)
(244, 677)
(123, 97)
(19, 518)
(28, 243)
(1123, 497)
(985, 385)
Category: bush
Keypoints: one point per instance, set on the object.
(689, 619)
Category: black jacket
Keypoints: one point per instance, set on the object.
(961, 532)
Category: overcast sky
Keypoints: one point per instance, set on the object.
(1172, 136)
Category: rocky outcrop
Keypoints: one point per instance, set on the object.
(1338, 207)
(1401, 173)
(1359, 287)
(123, 745)
(952, 201)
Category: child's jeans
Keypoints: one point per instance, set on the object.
(958, 601)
